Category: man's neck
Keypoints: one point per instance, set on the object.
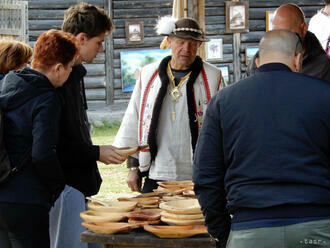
(327, 9)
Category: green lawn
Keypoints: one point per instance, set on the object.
(114, 176)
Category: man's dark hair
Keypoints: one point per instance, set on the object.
(327, 2)
(86, 18)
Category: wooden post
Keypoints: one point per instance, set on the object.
(109, 71)
(236, 52)
(196, 10)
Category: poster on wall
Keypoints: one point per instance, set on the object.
(250, 51)
(133, 61)
(225, 73)
(134, 32)
(213, 50)
(237, 17)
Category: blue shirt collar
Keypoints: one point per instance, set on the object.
(273, 67)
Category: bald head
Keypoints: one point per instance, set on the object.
(291, 17)
(280, 46)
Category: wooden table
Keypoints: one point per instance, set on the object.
(141, 238)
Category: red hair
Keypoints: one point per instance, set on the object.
(52, 47)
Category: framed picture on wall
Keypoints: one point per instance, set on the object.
(269, 19)
(213, 50)
(132, 61)
(250, 51)
(225, 73)
(134, 32)
(237, 17)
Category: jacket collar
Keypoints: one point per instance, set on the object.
(273, 67)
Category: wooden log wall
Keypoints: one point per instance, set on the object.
(147, 11)
(45, 15)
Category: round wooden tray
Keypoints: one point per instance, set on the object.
(175, 231)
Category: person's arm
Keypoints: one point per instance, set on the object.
(208, 175)
(44, 132)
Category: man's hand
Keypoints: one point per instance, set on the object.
(133, 180)
(109, 156)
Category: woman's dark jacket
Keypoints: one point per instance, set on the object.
(76, 152)
(31, 108)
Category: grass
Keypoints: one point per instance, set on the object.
(114, 176)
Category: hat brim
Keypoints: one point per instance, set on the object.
(188, 36)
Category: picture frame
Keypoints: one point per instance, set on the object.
(269, 19)
(132, 61)
(225, 73)
(214, 50)
(237, 17)
(250, 51)
(134, 32)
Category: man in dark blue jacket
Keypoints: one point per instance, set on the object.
(263, 155)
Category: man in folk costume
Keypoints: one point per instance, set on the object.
(167, 107)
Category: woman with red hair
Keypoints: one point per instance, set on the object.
(31, 107)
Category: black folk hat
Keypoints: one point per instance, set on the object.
(188, 28)
(185, 28)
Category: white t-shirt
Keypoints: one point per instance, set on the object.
(320, 26)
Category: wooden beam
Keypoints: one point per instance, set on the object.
(109, 77)
(196, 10)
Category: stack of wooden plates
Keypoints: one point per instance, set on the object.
(142, 202)
(144, 217)
(182, 212)
(174, 187)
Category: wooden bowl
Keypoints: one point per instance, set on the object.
(98, 216)
(142, 223)
(190, 206)
(140, 200)
(183, 222)
(181, 216)
(175, 232)
(108, 227)
(130, 150)
(114, 206)
(143, 215)
(175, 183)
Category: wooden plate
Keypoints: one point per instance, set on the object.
(113, 206)
(190, 206)
(130, 150)
(175, 232)
(142, 223)
(108, 227)
(175, 183)
(98, 216)
(140, 200)
(182, 222)
(181, 216)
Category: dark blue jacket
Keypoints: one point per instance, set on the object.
(32, 108)
(263, 151)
